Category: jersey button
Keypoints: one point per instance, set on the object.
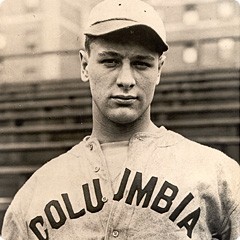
(91, 147)
(104, 199)
(96, 169)
(115, 233)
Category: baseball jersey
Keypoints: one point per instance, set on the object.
(169, 188)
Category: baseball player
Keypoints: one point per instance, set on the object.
(129, 179)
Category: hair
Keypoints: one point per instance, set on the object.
(139, 34)
(89, 39)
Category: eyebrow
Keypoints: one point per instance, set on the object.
(144, 57)
(110, 53)
(115, 54)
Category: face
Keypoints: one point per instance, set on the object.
(122, 79)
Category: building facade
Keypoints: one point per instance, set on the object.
(39, 40)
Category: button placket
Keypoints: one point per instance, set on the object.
(96, 168)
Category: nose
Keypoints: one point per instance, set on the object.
(126, 78)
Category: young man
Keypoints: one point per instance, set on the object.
(129, 179)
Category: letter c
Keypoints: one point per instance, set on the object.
(34, 228)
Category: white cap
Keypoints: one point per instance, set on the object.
(113, 15)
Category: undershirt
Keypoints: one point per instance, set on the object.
(115, 154)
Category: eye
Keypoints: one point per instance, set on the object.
(110, 62)
(141, 65)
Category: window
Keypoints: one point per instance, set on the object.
(226, 48)
(225, 10)
(30, 70)
(31, 39)
(190, 53)
(190, 15)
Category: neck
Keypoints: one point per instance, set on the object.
(107, 131)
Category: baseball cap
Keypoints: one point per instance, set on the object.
(113, 15)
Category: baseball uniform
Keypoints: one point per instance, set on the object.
(168, 187)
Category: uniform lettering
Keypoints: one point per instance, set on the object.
(180, 207)
(62, 217)
(69, 207)
(193, 217)
(36, 231)
(137, 187)
(119, 195)
(162, 203)
(98, 192)
(161, 196)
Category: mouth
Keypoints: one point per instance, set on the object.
(124, 99)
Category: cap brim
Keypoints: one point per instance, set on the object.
(106, 27)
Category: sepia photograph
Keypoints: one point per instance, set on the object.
(119, 119)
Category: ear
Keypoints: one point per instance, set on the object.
(161, 61)
(84, 65)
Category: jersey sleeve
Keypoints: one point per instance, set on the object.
(235, 210)
(230, 191)
(13, 226)
(235, 223)
(15, 222)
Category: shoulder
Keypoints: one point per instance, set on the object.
(59, 165)
(51, 174)
(197, 155)
(62, 163)
(206, 164)
(208, 159)
(41, 186)
(198, 150)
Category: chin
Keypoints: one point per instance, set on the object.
(123, 118)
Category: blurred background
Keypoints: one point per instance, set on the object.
(45, 108)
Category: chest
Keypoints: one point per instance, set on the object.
(144, 201)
